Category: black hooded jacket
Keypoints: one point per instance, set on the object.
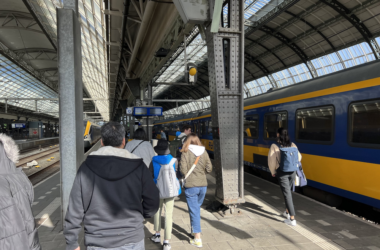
(112, 194)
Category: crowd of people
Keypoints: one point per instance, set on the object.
(120, 185)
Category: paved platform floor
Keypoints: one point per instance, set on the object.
(259, 226)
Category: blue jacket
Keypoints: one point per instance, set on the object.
(155, 166)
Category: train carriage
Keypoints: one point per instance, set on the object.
(334, 120)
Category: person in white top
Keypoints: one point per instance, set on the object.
(141, 147)
(285, 179)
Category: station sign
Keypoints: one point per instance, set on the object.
(147, 111)
(129, 111)
(18, 125)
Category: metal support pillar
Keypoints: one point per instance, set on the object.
(150, 119)
(225, 51)
(70, 97)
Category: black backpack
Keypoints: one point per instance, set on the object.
(175, 147)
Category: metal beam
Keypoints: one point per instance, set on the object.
(312, 27)
(18, 60)
(329, 22)
(268, 13)
(266, 48)
(257, 63)
(354, 20)
(283, 39)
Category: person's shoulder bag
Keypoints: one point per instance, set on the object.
(183, 180)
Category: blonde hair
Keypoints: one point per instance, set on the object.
(193, 139)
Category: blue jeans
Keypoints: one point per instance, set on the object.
(133, 246)
(194, 198)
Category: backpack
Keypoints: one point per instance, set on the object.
(289, 159)
(175, 147)
(167, 182)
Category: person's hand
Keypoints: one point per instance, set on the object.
(78, 248)
(273, 175)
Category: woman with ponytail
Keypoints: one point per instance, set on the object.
(282, 169)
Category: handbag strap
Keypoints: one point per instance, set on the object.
(136, 147)
(192, 168)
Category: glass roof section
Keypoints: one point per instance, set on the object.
(252, 6)
(17, 83)
(94, 60)
(190, 107)
(343, 59)
(94, 51)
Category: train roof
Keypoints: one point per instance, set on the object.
(354, 74)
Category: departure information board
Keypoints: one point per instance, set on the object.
(147, 111)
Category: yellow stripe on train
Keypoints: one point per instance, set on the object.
(329, 91)
(334, 172)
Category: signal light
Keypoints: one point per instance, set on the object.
(191, 73)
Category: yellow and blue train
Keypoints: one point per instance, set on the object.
(334, 120)
(91, 134)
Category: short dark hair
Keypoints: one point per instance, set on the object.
(139, 134)
(185, 127)
(112, 134)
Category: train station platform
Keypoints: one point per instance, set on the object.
(259, 226)
(29, 144)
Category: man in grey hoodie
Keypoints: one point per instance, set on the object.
(17, 227)
(112, 194)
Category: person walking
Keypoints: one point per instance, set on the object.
(185, 131)
(194, 153)
(166, 180)
(163, 135)
(178, 132)
(141, 147)
(19, 230)
(113, 192)
(283, 161)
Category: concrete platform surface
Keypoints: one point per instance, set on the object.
(259, 226)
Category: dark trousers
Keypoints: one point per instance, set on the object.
(286, 180)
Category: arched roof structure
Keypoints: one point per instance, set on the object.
(287, 42)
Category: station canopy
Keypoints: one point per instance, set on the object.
(286, 42)
(28, 56)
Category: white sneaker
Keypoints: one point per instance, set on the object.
(166, 246)
(290, 222)
(156, 238)
(286, 215)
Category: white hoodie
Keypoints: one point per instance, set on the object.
(197, 150)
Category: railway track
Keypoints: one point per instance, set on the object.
(35, 148)
(37, 156)
(39, 176)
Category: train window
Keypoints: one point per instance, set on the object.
(364, 125)
(251, 126)
(203, 128)
(274, 121)
(315, 124)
